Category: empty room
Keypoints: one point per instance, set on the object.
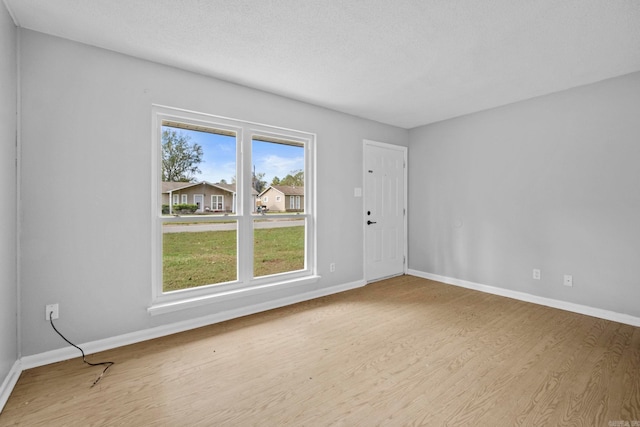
(359, 213)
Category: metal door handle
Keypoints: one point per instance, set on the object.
(371, 222)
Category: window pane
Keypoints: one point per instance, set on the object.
(198, 254)
(278, 175)
(278, 245)
(198, 170)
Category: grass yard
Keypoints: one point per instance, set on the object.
(193, 259)
(278, 250)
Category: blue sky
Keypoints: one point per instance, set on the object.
(219, 160)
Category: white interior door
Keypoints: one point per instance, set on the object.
(384, 210)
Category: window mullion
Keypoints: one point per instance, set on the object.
(245, 229)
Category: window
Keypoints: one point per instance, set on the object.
(278, 198)
(294, 202)
(217, 202)
(206, 250)
(176, 199)
(185, 199)
(278, 250)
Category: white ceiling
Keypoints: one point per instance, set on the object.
(401, 62)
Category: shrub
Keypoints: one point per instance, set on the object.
(180, 209)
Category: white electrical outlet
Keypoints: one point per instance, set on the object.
(536, 274)
(568, 280)
(53, 309)
(332, 267)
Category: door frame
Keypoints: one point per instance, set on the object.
(405, 247)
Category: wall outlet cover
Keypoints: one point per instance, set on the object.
(51, 308)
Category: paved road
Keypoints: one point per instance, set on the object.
(216, 226)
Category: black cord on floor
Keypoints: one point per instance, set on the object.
(107, 364)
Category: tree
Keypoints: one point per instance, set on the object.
(180, 159)
(275, 181)
(258, 181)
(295, 179)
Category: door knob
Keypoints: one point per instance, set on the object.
(371, 222)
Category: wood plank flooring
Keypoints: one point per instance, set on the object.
(404, 351)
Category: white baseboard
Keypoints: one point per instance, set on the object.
(91, 347)
(522, 296)
(9, 383)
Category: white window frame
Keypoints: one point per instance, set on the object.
(215, 196)
(176, 199)
(294, 202)
(245, 215)
(185, 199)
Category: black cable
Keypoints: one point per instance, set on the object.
(108, 364)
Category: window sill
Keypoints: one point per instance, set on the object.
(186, 303)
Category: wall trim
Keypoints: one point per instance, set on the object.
(523, 296)
(9, 383)
(203, 299)
(91, 347)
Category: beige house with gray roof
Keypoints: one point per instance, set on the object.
(209, 197)
(283, 198)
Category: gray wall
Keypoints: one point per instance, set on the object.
(8, 225)
(86, 140)
(550, 183)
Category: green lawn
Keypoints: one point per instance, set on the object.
(200, 258)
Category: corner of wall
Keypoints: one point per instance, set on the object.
(10, 366)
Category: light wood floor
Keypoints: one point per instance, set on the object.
(404, 351)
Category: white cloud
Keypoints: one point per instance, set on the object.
(273, 165)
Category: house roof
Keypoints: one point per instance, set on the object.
(229, 187)
(168, 186)
(287, 190)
